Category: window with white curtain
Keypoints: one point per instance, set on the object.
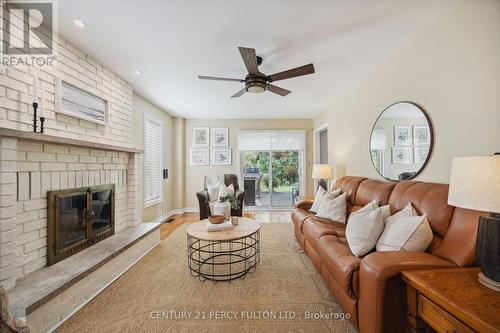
(153, 140)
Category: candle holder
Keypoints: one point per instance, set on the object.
(35, 119)
(35, 106)
(42, 120)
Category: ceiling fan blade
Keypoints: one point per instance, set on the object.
(215, 78)
(239, 93)
(277, 90)
(250, 60)
(299, 71)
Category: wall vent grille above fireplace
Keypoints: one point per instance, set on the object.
(78, 218)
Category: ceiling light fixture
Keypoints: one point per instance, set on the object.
(137, 72)
(256, 89)
(79, 24)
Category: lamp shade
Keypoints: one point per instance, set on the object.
(322, 171)
(475, 183)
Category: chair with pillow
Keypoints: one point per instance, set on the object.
(213, 189)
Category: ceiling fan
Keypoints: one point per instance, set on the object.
(255, 81)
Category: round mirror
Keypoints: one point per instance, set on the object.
(401, 141)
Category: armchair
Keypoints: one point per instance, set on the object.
(203, 199)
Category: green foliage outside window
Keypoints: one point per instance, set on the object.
(285, 166)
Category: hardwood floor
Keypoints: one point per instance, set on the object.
(262, 216)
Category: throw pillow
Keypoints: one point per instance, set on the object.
(226, 190)
(363, 230)
(385, 211)
(318, 199)
(372, 205)
(213, 191)
(333, 208)
(405, 230)
(320, 194)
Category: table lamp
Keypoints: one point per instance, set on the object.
(475, 184)
(322, 172)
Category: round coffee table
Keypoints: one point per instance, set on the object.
(223, 255)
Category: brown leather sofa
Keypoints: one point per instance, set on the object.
(371, 288)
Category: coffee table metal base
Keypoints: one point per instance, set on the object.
(223, 260)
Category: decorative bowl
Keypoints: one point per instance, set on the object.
(216, 219)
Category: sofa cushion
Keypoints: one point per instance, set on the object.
(299, 216)
(349, 185)
(339, 262)
(313, 228)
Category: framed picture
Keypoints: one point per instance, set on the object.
(199, 157)
(76, 102)
(421, 135)
(402, 155)
(402, 135)
(420, 154)
(220, 137)
(221, 156)
(201, 136)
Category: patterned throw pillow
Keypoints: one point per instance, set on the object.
(213, 191)
(333, 209)
(364, 228)
(226, 190)
(322, 193)
(405, 231)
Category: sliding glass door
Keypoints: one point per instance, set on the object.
(285, 166)
(272, 178)
(256, 170)
(272, 166)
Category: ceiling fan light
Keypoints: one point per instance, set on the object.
(256, 89)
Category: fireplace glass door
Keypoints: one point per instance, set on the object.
(78, 218)
(72, 224)
(101, 212)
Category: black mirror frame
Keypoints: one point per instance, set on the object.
(431, 146)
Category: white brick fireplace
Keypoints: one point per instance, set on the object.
(29, 169)
(71, 153)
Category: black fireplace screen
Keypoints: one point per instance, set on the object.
(78, 218)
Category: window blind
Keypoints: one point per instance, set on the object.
(152, 161)
(272, 140)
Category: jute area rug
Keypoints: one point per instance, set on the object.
(158, 294)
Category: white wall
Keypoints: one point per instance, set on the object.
(452, 70)
(195, 174)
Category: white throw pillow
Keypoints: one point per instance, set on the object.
(372, 205)
(385, 212)
(405, 212)
(320, 195)
(318, 199)
(213, 191)
(333, 208)
(405, 231)
(363, 230)
(226, 190)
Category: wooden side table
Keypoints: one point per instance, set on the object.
(450, 300)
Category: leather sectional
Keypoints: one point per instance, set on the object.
(370, 288)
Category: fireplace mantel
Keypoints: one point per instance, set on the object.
(7, 132)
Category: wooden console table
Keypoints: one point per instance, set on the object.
(450, 300)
